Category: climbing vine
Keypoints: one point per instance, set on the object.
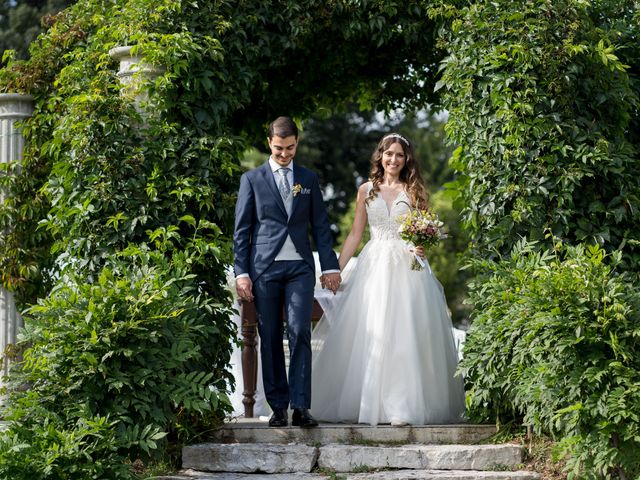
(543, 99)
(128, 331)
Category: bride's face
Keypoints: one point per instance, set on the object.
(393, 159)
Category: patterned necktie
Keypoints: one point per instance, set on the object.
(283, 184)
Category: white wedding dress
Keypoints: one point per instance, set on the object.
(385, 353)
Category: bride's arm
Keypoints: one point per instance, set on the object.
(355, 235)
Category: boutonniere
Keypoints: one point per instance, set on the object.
(297, 188)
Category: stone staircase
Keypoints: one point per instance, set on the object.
(247, 449)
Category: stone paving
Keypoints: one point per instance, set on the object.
(386, 475)
(247, 449)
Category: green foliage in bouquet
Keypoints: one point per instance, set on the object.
(543, 100)
(555, 343)
(421, 228)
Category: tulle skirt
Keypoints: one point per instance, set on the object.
(384, 352)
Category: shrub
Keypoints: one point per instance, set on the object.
(114, 368)
(555, 342)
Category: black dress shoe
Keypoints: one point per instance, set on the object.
(302, 418)
(279, 418)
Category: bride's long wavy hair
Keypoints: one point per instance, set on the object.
(409, 175)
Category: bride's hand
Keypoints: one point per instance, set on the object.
(331, 281)
(419, 251)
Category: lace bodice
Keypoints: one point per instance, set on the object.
(384, 221)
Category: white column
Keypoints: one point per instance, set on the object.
(13, 108)
(135, 74)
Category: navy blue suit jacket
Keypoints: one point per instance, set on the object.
(261, 223)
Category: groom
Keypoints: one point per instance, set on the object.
(277, 203)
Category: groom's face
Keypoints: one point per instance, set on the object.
(283, 149)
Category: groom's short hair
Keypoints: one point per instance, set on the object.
(283, 127)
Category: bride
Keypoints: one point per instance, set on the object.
(386, 350)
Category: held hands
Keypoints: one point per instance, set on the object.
(244, 287)
(330, 281)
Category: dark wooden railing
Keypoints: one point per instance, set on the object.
(249, 333)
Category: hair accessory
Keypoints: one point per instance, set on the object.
(397, 135)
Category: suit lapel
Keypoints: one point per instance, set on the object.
(270, 181)
(296, 179)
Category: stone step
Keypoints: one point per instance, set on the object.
(384, 475)
(278, 458)
(349, 458)
(255, 431)
(250, 457)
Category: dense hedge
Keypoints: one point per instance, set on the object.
(129, 342)
(555, 343)
(543, 99)
(115, 366)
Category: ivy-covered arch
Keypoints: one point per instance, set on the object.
(230, 67)
(130, 337)
(133, 214)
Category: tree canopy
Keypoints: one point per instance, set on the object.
(21, 22)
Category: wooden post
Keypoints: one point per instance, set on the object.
(249, 332)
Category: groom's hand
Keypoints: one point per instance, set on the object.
(244, 288)
(331, 281)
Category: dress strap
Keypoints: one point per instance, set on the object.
(369, 187)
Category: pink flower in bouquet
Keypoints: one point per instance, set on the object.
(421, 228)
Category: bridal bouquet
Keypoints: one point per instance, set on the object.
(422, 228)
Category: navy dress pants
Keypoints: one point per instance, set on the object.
(286, 286)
